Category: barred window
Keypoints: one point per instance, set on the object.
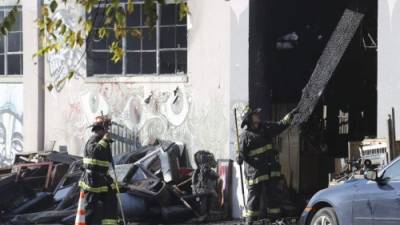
(11, 46)
(160, 50)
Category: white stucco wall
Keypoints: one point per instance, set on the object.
(388, 63)
(200, 116)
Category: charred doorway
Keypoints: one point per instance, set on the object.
(286, 40)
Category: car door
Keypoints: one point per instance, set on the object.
(385, 198)
(362, 209)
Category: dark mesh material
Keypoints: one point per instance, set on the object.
(330, 58)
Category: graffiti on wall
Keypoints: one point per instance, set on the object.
(140, 117)
(143, 114)
(11, 119)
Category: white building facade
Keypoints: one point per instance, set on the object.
(180, 90)
(180, 85)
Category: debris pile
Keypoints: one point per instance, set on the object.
(157, 185)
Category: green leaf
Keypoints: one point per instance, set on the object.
(44, 11)
(136, 33)
(71, 74)
(130, 6)
(53, 6)
(108, 9)
(71, 39)
(6, 24)
(63, 29)
(102, 32)
(120, 18)
(79, 39)
(50, 87)
(58, 23)
(108, 20)
(3, 30)
(88, 26)
(183, 10)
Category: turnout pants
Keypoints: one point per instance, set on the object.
(255, 195)
(109, 210)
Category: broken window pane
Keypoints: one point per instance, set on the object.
(133, 63)
(97, 16)
(167, 37)
(2, 44)
(149, 39)
(14, 64)
(113, 68)
(181, 57)
(14, 42)
(2, 64)
(181, 37)
(168, 14)
(97, 43)
(18, 22)
(149, 63)
(132, 43)
(97, 63)
(167, 62)
(134, 19)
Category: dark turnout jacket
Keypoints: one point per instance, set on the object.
(258, 152)
(96, 161)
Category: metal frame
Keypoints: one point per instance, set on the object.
(49, 165)
(158, 26)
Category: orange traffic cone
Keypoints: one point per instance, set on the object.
(80, 218)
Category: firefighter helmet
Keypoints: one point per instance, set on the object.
(101, 122)
(246, 117)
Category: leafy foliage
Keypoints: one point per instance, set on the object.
(9, 20)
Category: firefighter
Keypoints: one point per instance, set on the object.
(95, 182)
(262, 168)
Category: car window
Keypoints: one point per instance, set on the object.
(393, 172)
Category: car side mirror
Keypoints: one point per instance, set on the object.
(371, 175)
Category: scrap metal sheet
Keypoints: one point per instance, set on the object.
(330, 58)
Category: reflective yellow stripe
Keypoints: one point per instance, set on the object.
(274, 210)
(260, 150)
(109, 222)
(275, 174)
(88, 188)
(90, 161)
(257, 179)
(103, 143)
(287, 119)
(250, 213)
(114, 186)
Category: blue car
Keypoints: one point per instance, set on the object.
(374, 200)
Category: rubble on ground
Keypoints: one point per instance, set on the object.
(156, 182)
